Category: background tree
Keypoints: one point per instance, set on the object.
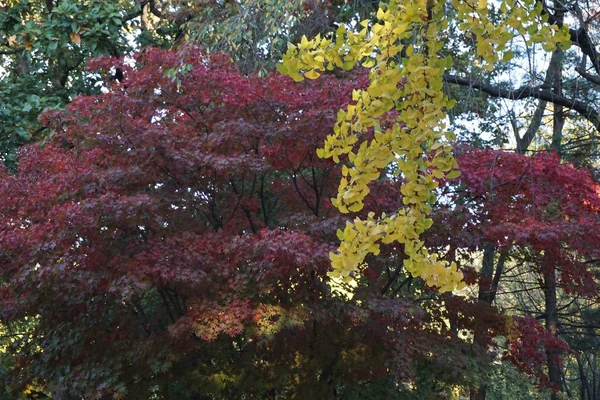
(256, 33)
(189, 231)
(45, 47)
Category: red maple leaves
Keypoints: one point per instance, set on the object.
(178, 226)
(537, 203)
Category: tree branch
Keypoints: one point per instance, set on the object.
(155, 10)
(524, 142)
(594, 79)
(525, 92)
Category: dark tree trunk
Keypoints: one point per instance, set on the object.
(549, 267)
(488, 286)
(584, 390)
(551, 323)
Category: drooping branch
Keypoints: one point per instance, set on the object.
(527, 91)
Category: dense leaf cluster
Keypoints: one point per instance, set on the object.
(174, 236)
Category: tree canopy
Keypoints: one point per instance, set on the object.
(180, 219)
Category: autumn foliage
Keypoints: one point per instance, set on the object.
(535, 203)
(175, 234)
(173, 239)
(541, 213)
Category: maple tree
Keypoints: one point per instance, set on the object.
(180, 248)
(541, 217)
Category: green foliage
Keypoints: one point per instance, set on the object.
(505, 382)
(44, 50)
(256, 32)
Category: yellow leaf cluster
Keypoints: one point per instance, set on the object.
(403, 50)
(516, 17)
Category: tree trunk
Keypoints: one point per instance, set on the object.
(488, 286)
(584, 389)
(551, 322)
(549, 267)
(559, 116)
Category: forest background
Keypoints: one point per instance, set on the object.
(168, 223)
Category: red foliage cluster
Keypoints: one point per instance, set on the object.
(518, 202)
(176, 231)
(175, 234)
(536, 210)
(537, 203)
(528, 346)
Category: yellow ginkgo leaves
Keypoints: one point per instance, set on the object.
(404, 51)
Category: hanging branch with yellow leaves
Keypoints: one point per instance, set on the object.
(404, 51)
